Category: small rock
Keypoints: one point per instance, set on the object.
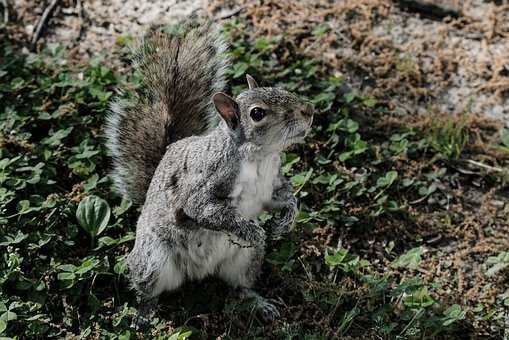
(29, 29)
(497, 203)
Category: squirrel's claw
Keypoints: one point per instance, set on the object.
(140, 323)
(146, 312)
(267, 311)
(283, 224)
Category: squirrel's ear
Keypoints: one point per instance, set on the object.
(227, 108)
(251, 82)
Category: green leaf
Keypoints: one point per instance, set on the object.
(262, 43)
(239, 69)
(504, 137)
(425, 191)
(351, 126)
(387, 180)
(283, 256)
(91, 183)
(369, 102)
(106, 241)
(66, 276)
(93, 215)
(320, 30)
(300, 179)
(121, 266)
(499, 263)
(453, 314)
(408, 182)
(3, 326)
(348, 318)
(181, 335)
(289, 160)
(122, 208)
(345, 156)
(410, 259)
(125, 336)
(419, 299)
(56, 138)
(337, 258)
(9, 316)
(9, 239)
(496, 268)
(67, 267)
(87, 266)
(349, 97)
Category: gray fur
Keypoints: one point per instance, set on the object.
(199, 216)
(179, 73)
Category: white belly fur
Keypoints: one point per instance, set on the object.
(212, 252)
(208, 253)
(255, 184)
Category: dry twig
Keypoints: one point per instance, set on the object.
(42, 22)
(484, 166)
(5, 4)
(229, 13)
(434, 9)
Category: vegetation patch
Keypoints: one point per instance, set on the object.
(402, 231)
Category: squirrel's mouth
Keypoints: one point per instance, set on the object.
(298, 137)
(298, 131)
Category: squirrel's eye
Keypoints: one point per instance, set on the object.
(257, 114)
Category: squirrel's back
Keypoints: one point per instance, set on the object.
(179, 73)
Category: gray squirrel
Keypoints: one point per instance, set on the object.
(201, 187)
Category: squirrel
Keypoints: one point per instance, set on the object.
(201, 185)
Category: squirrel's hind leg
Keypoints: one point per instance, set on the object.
(243, 267)
(267, 310)
(152, 270)
(147, 307)
(241, 271)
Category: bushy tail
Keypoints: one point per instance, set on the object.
(180, 70)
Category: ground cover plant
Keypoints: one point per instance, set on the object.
(403, 229)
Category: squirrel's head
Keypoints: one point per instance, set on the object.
(268, 117)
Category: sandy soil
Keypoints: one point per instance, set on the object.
(414, 63)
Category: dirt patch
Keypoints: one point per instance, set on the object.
(414, 62)
(94, 26)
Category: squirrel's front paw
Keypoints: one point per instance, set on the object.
(253, 234)
(140, 323)
(258, 235)
(267, 311)
(282, 224)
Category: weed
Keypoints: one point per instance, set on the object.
(448, 136)
(364, 260)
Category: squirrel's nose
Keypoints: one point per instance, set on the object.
(308, 110)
